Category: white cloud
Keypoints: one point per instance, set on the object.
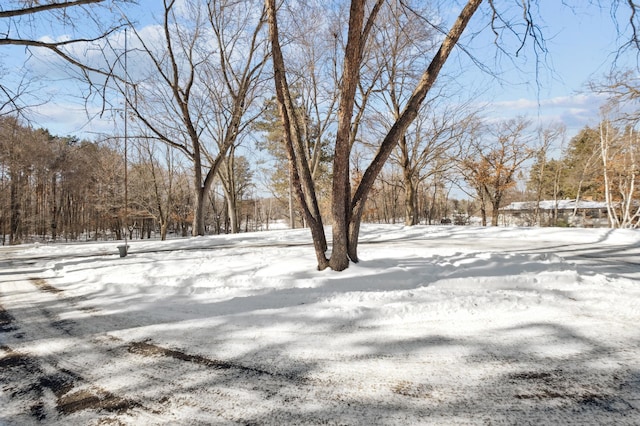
(67, 118)
(575, 111)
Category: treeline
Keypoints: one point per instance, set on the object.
(212, 82)
(600, 163)
(61, 188)
(64, 189)
(55, 187)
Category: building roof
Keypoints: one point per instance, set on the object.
(551, 204)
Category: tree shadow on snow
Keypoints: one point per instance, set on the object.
(532, 372)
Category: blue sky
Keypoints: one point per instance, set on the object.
(581, 44)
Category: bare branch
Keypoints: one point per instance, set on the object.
(45, 7)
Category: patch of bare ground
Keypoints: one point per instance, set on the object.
(554, 385)
(43, 285)
(34, 380)
(149, 349)
(94, 399)
(25, 378)
(6, 321)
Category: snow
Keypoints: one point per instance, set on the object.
(566, 204)
(435, 325)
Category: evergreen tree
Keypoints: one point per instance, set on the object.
(581, 166)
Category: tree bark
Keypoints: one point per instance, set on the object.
(407, 116)
(301, 181)
(495, 212)
(340, 206)
(347, 211)
(409, 189)
(410, 208)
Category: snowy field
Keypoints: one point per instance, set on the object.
(436, 325)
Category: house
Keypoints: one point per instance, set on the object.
(576, 213)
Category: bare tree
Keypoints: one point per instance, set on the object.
(155, 177)
(235, 176)
(201, 92)
(81, 24)
(619, 151)
(620, 147)
(494, 162)
(540, 173)
(429, 149)
(348, 207)
(398, 52)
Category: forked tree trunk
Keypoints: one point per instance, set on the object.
(347, 211)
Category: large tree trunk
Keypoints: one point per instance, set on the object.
(232, 209)
(199, 192)
(198, 210)
(411, 213)
(340, 206)
(300, 174)
(410, 207)
(346, 211)
(163, 229)
(202, 189)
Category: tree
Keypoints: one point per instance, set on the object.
(347, 207)
(492, 164)
(235, 175)
(15, 161)
(580, 166)
(620, 147)
(81, 23)
(427, 150)
(544, 175)
(545, 183)
(315, 153)
(199, 96)
(398, 51)
(151, 184)
(619, 151)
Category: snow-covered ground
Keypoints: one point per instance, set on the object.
(436, 325)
